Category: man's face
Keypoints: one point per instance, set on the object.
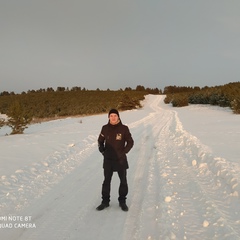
(113, 117)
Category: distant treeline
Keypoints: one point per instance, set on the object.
(227, 95)
(48, 103)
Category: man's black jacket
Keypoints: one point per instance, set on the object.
(114, 142)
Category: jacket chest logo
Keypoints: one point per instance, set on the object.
(119, 136)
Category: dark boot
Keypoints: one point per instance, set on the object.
(123, 206)
(102, 206)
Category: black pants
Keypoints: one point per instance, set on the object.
(106, 186)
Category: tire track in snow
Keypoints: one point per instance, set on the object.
(204, 207)
(67, 209)
(52, 193)
(177, 191)
(35, 180)
(143, 212)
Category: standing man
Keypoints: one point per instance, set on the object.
(114, 142)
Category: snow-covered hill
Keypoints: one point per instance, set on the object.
(184, 177)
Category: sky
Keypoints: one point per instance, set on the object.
(118, 43)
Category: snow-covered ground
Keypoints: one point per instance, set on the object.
(184, 177)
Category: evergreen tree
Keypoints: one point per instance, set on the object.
(18, 119)
(235, 105)
(127, 103)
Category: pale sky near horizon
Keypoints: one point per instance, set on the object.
(118, 43)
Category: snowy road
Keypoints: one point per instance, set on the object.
(178, 188)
